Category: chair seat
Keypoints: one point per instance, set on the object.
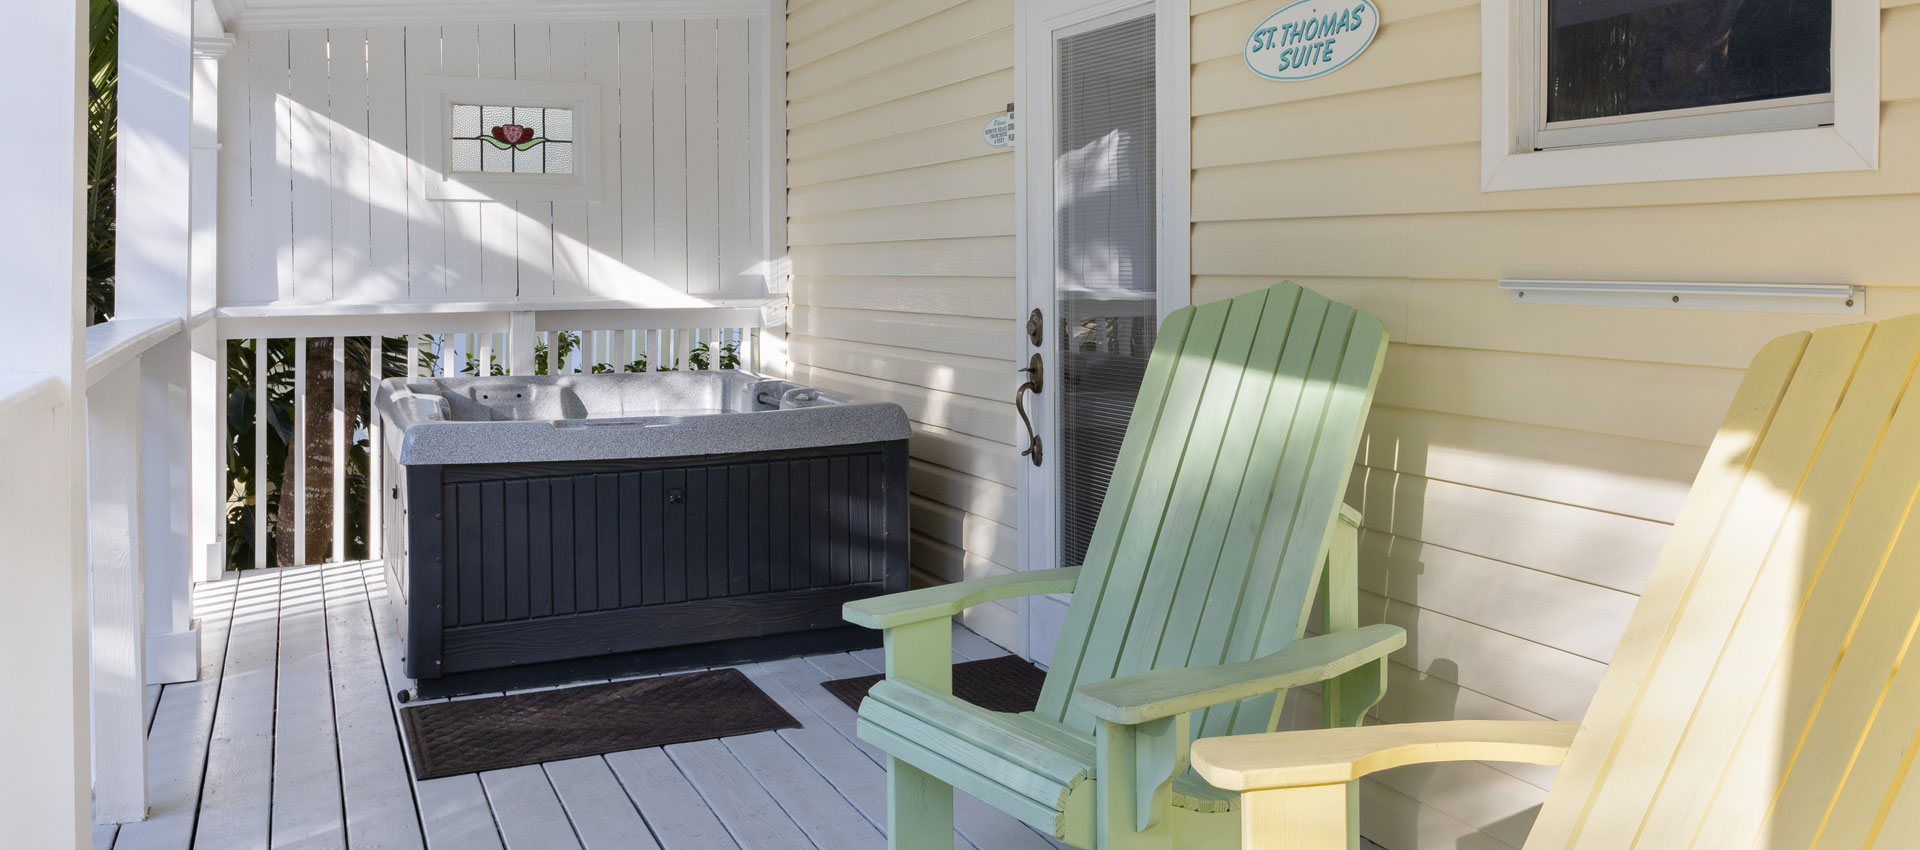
(1036, 769)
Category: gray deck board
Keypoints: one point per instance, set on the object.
(973, 646)
(680, 819)
(453, 811)
(177, 740)
(375, 783)
(529, 813)
(307, 810)
(603, 817)
(290, 739)
(813, 803)
(235, 801)
(855, 776)
(748, 812)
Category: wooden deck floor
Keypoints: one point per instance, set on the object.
(289, 740)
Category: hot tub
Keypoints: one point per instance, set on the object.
(547, 529)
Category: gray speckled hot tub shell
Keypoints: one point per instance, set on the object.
(624, 415)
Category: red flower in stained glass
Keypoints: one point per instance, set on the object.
(512, 134)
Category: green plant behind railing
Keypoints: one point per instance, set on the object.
(250, 489)
(103, 115)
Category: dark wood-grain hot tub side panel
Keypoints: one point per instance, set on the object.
(652, 563)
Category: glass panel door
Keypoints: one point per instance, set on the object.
(1104, 284)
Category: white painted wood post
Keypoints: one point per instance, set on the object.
(43, 614)
(167, 470)
(521, 338)
(114, 491)
(207, 407)
(153, 278)
(208, 526)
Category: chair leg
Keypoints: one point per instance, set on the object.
(919, 809)
(1311, 818)
(1136, 765)
(1346, 699)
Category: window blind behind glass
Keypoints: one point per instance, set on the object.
(1104, 278)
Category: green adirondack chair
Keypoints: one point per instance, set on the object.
(1223, 515)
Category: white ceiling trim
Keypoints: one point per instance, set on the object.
(238, 15)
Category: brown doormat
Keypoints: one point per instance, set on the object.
(1006, 684)
(468, 736)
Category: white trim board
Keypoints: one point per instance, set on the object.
(1850, 144)
(239, 15)
(1035, 24)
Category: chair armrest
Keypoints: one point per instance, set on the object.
(927, 603)
(1155, 694)
(1329, 756)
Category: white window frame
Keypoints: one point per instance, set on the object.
(1713, 142)
(592, 138)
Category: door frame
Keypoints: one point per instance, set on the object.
(1036, 22)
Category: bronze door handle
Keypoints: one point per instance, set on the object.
(1036, 379)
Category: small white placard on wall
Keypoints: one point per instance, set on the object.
(999, 131)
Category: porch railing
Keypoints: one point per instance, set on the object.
(272, 396)
(138, 486)
(160, 497)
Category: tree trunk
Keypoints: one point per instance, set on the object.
(319, 465)
(356, 390)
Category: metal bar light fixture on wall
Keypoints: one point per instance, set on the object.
(1840, 298)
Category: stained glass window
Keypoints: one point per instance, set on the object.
(511, 139)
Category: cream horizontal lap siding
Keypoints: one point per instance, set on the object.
(901, 234)
(1523, 462)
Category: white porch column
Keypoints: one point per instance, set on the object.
(153, 279)
(43, 613)
(116, 530)
(168, 464)
(208, 522)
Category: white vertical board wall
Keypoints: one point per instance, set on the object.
(324, 185)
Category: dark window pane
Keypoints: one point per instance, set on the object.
(1624, 57)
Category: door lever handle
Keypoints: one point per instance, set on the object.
(1036, 380)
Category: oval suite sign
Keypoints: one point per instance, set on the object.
(1311, 38)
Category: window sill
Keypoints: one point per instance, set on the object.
(1804, 151)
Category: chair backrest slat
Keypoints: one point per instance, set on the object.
(1228, 479)
(1758, 698)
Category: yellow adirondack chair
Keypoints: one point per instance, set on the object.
(1759, 698)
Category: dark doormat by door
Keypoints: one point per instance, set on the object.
(1006, 684)
(468, 736)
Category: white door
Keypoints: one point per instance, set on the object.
(1103, 256)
